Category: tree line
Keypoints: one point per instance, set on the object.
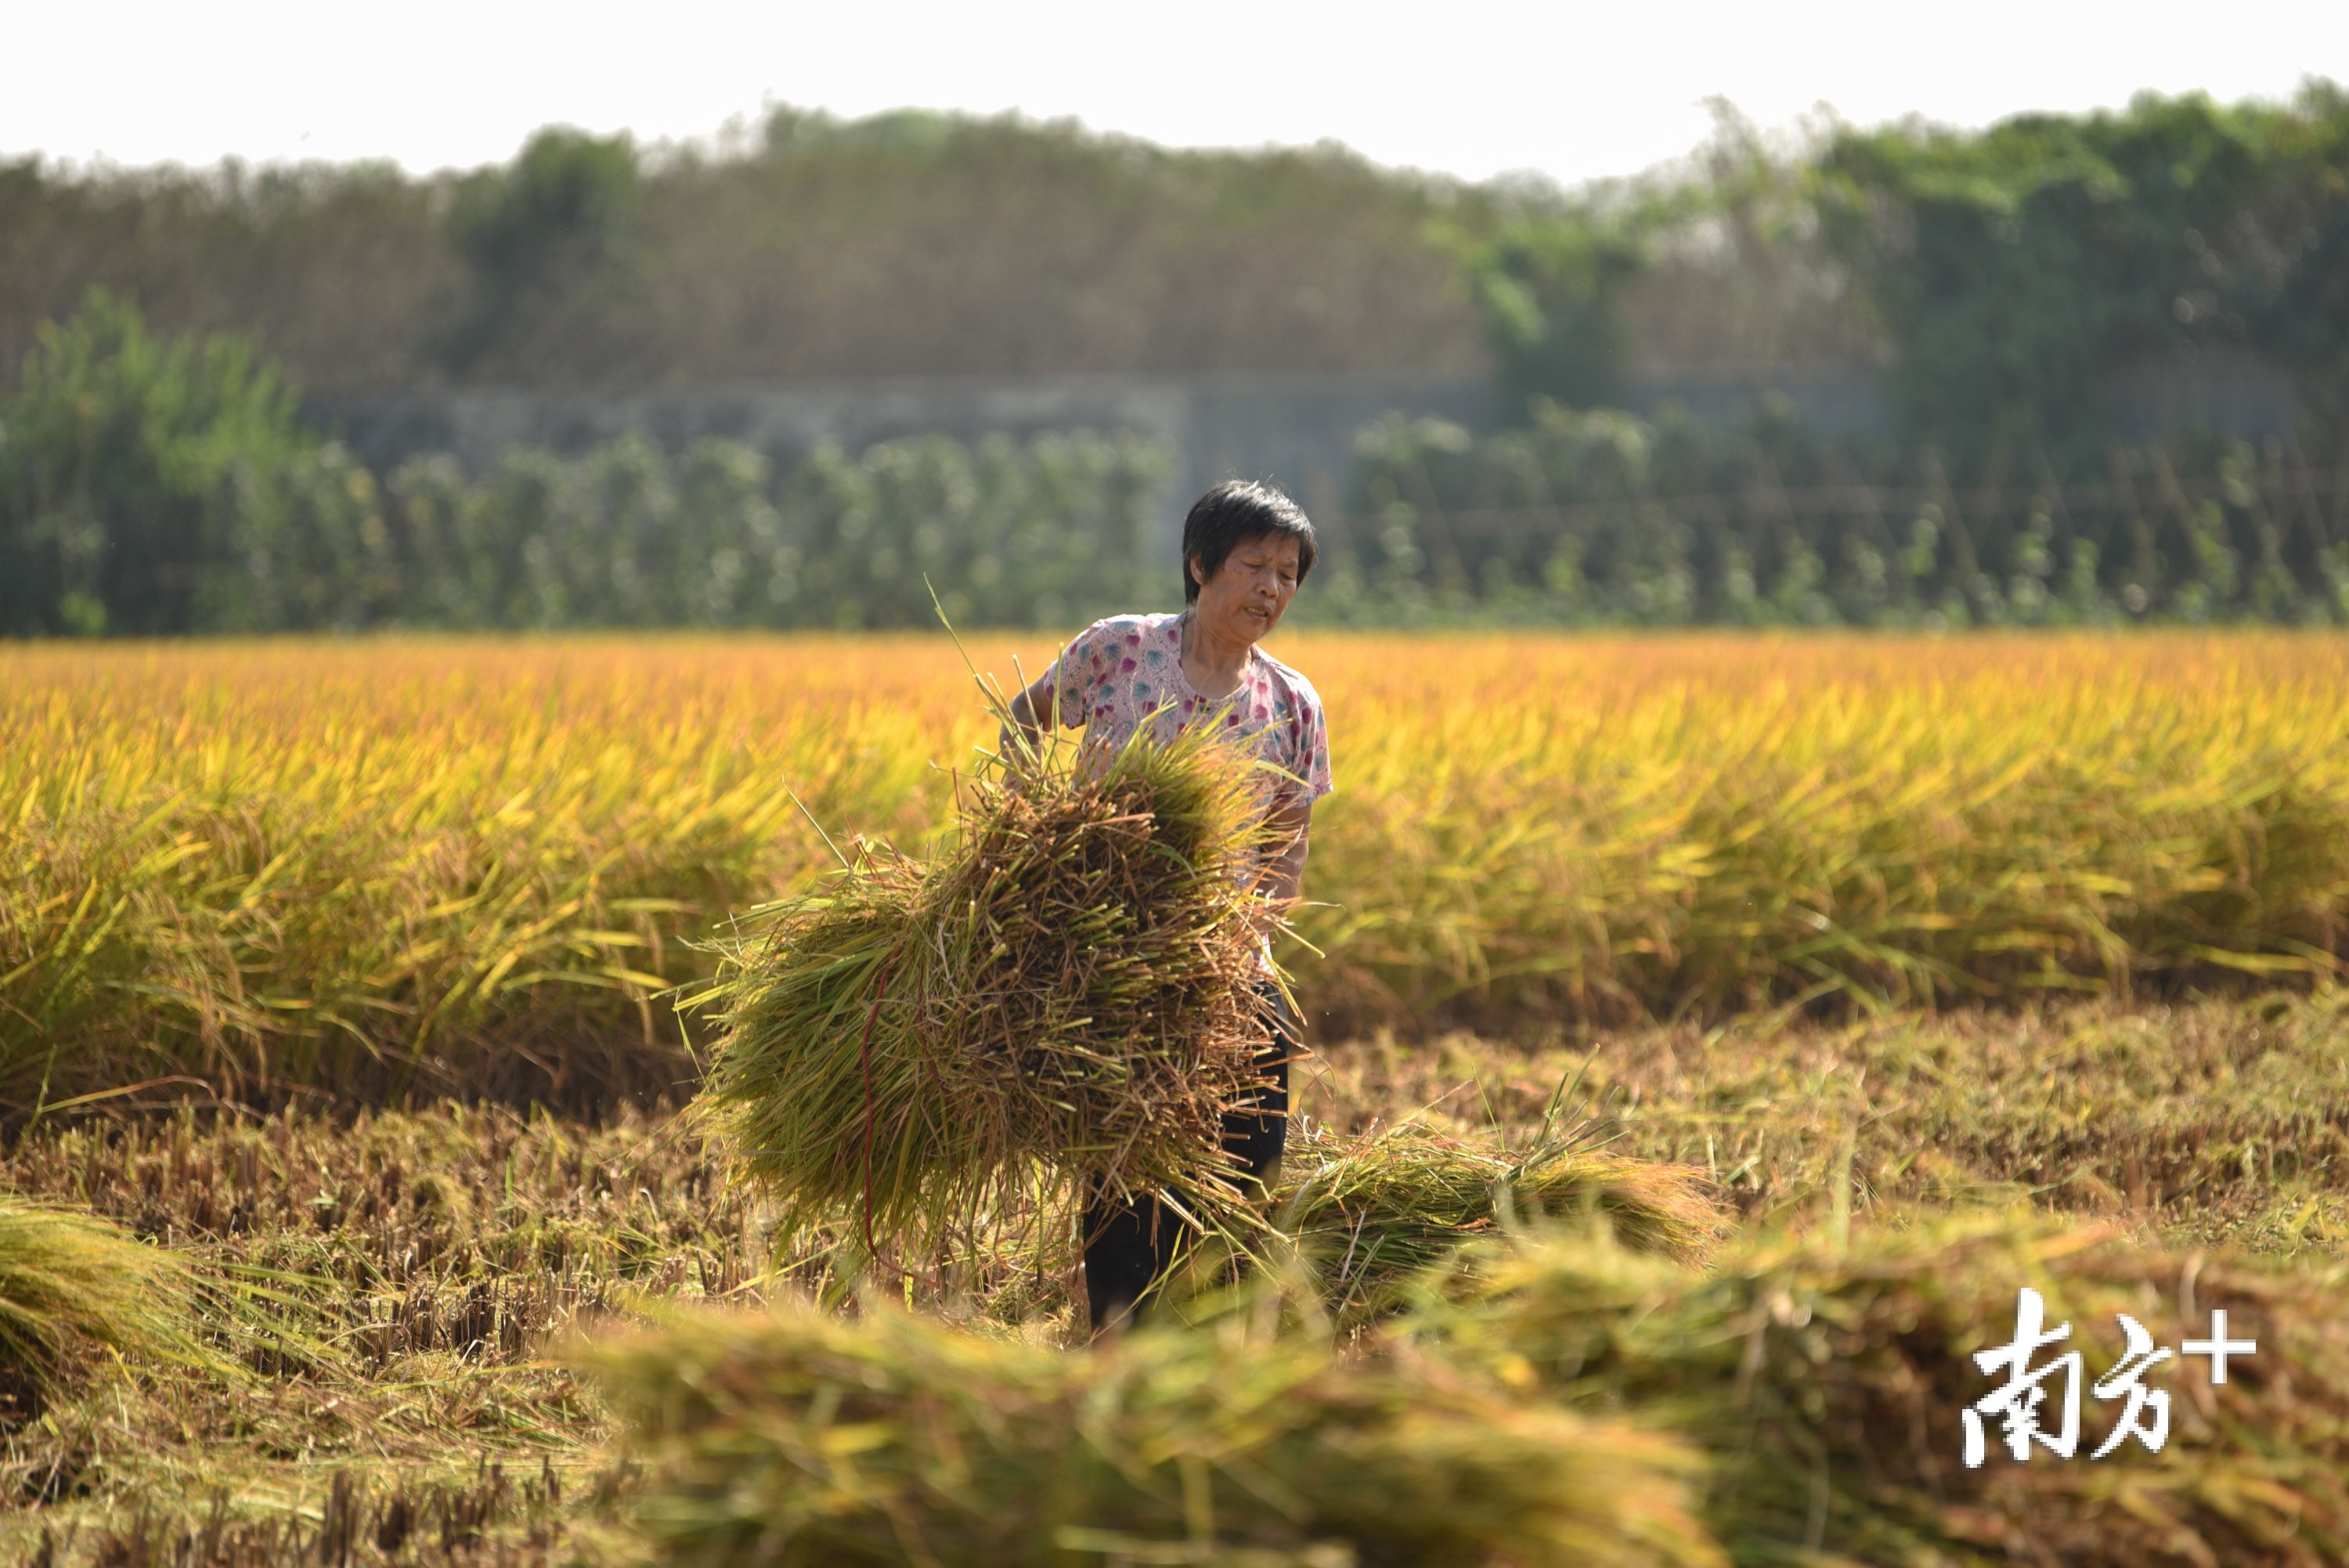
(1596, 518)
(2004, 284)
(909, 243)
(158, 485)
(2000, 284)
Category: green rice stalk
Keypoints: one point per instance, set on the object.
(1371, 1213)
(802, 1439)
(1070, 983)
(74, 1289)
(1828, 1385)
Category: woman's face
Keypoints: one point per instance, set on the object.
(1246, 596)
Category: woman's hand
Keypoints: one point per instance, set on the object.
(1032, 712)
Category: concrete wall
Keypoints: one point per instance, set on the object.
(2231, 394)
(1833, 401)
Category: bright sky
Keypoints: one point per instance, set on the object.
(1571, 89)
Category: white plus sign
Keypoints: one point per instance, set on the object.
(2218, 1347)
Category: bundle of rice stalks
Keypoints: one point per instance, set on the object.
(1831, 1391)
(72, 1288)
(1371, 1213)
(1074, 981)
(802, 1439)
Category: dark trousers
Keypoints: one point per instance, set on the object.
(1130, 1244)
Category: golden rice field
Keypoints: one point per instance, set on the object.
(1847, 983)
(381, 866)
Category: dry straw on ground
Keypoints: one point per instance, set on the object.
(1072, 986)
(1829, 1384)
(801, 1438)
(436, 1250)
(2224, 1119)
(378, 1297)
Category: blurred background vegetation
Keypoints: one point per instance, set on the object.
(2006, 292)
(910, 243)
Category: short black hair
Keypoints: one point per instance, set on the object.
(1233, 513)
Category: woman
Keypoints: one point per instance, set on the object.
(1246, 548)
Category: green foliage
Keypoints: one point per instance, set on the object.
(336, 269)
(1600, 518)
(153, 486)
(1550, 287)
(1034, 534)
(2018, 277)
(133, 471)
(908, 244)
(546, 233)
(2012, 278)
(2020, 271)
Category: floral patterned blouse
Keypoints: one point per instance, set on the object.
(1127, 668)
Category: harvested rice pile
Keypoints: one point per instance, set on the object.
(75, 1291)
(1371, 1213)
(801, 1438)
(1830, 1392)
(1070, 984)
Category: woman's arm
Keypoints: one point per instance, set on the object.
(1284, 875)
(1034, 710)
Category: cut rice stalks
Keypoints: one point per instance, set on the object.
(1371, 1213)
(1830, 1386)
(1073, 990)
(73, 1292)
(800, 1439)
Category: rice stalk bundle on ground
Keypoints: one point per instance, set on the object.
(1830, 1389)
(1371, 1213)
(72, 1289)
(1072, 982)
(802, 1439)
